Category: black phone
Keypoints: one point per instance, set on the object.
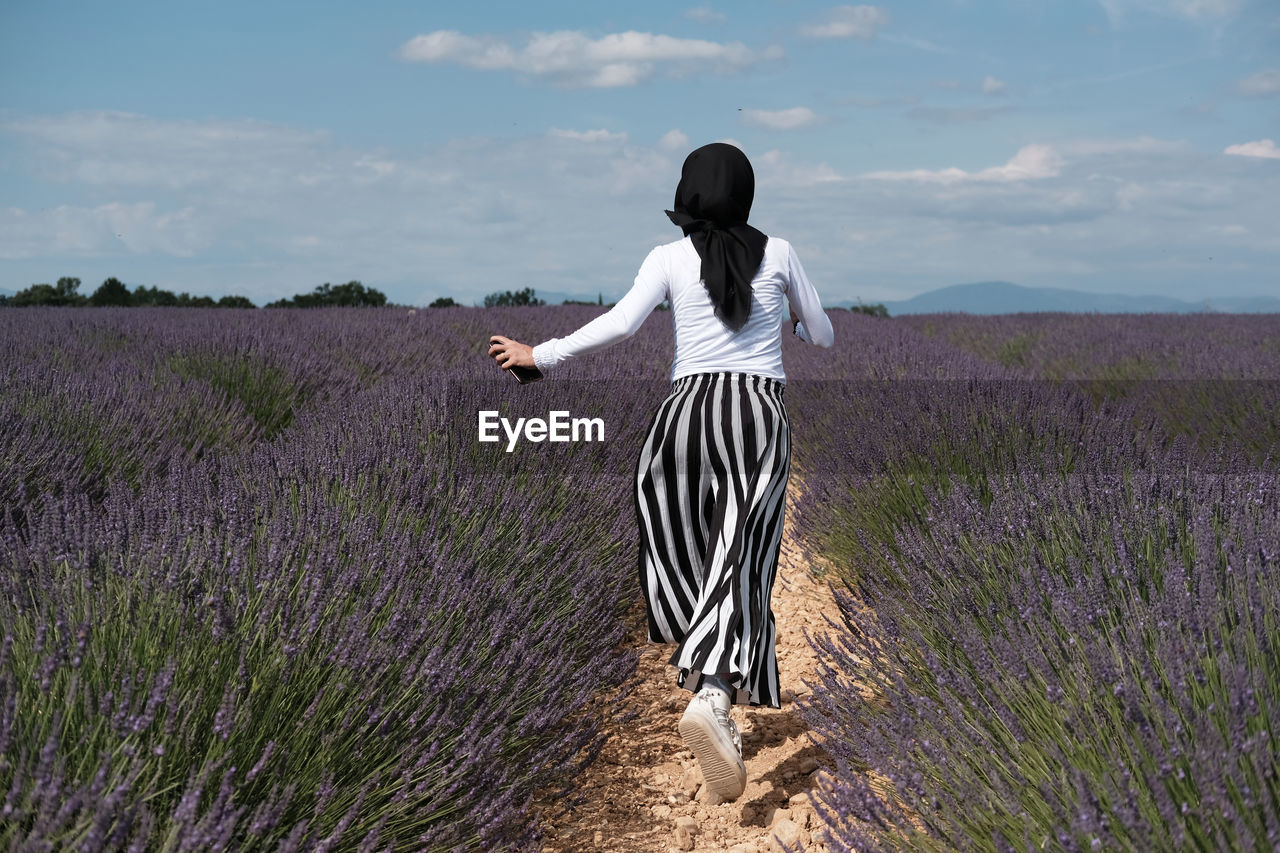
(523, 375)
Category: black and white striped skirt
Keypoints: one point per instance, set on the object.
(710, 498)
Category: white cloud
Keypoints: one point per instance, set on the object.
(487, 52)
(378, 166)
(117, 148)
(579, 210)
(849, 22)
(706, 15)
(636, 168)
(1129, 195)
(789, 119)
(1264, 148)
(281, 210)
(1261, 84)
(132, 228)
(673, 140)
(992, 86)
(571, 58)
(777, 169)
(589, 135)
(1032, 162)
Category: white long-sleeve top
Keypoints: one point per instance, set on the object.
(704, 344)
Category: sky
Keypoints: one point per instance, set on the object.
(428, 149)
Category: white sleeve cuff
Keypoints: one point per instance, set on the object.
(544, 356)
(802, 333)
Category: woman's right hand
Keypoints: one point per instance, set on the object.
(510, 353)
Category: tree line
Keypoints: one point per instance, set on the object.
(114, 292)
(528, 297)
(512, 298)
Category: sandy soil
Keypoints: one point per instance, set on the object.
(645, 791)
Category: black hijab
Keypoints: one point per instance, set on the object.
(713, 198)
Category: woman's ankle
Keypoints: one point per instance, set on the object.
(719, 682)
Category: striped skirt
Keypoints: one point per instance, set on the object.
(710, 498)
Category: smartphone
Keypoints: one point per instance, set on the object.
(523, 375)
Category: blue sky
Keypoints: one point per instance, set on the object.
(453, 150)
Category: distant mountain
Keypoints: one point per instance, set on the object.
(4, 292)
(1002, 297)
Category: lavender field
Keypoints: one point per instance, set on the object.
(261, 587)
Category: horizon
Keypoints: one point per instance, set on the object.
(1118, 303)
(1120, 147)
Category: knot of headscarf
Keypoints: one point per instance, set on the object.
(713, 199)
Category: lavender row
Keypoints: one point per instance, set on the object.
(219, 535)
(1101, 346)
(1084, 663)
(1214, 378)
(339, 494)
(1063, 612)
(360, 629)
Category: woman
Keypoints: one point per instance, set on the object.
(712, 474)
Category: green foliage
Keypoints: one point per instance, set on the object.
(443, 302)
(1013, 352)
(509, 298)
(66, 292)
(599, 301)
(113, 291)
(353, 293)
(154, 296)
(267, 393)
(876, 310)
(1042, 701)
(232, 647)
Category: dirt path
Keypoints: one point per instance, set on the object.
(647, 794)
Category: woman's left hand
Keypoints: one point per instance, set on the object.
(509, 353)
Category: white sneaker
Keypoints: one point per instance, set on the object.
(713, 738)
